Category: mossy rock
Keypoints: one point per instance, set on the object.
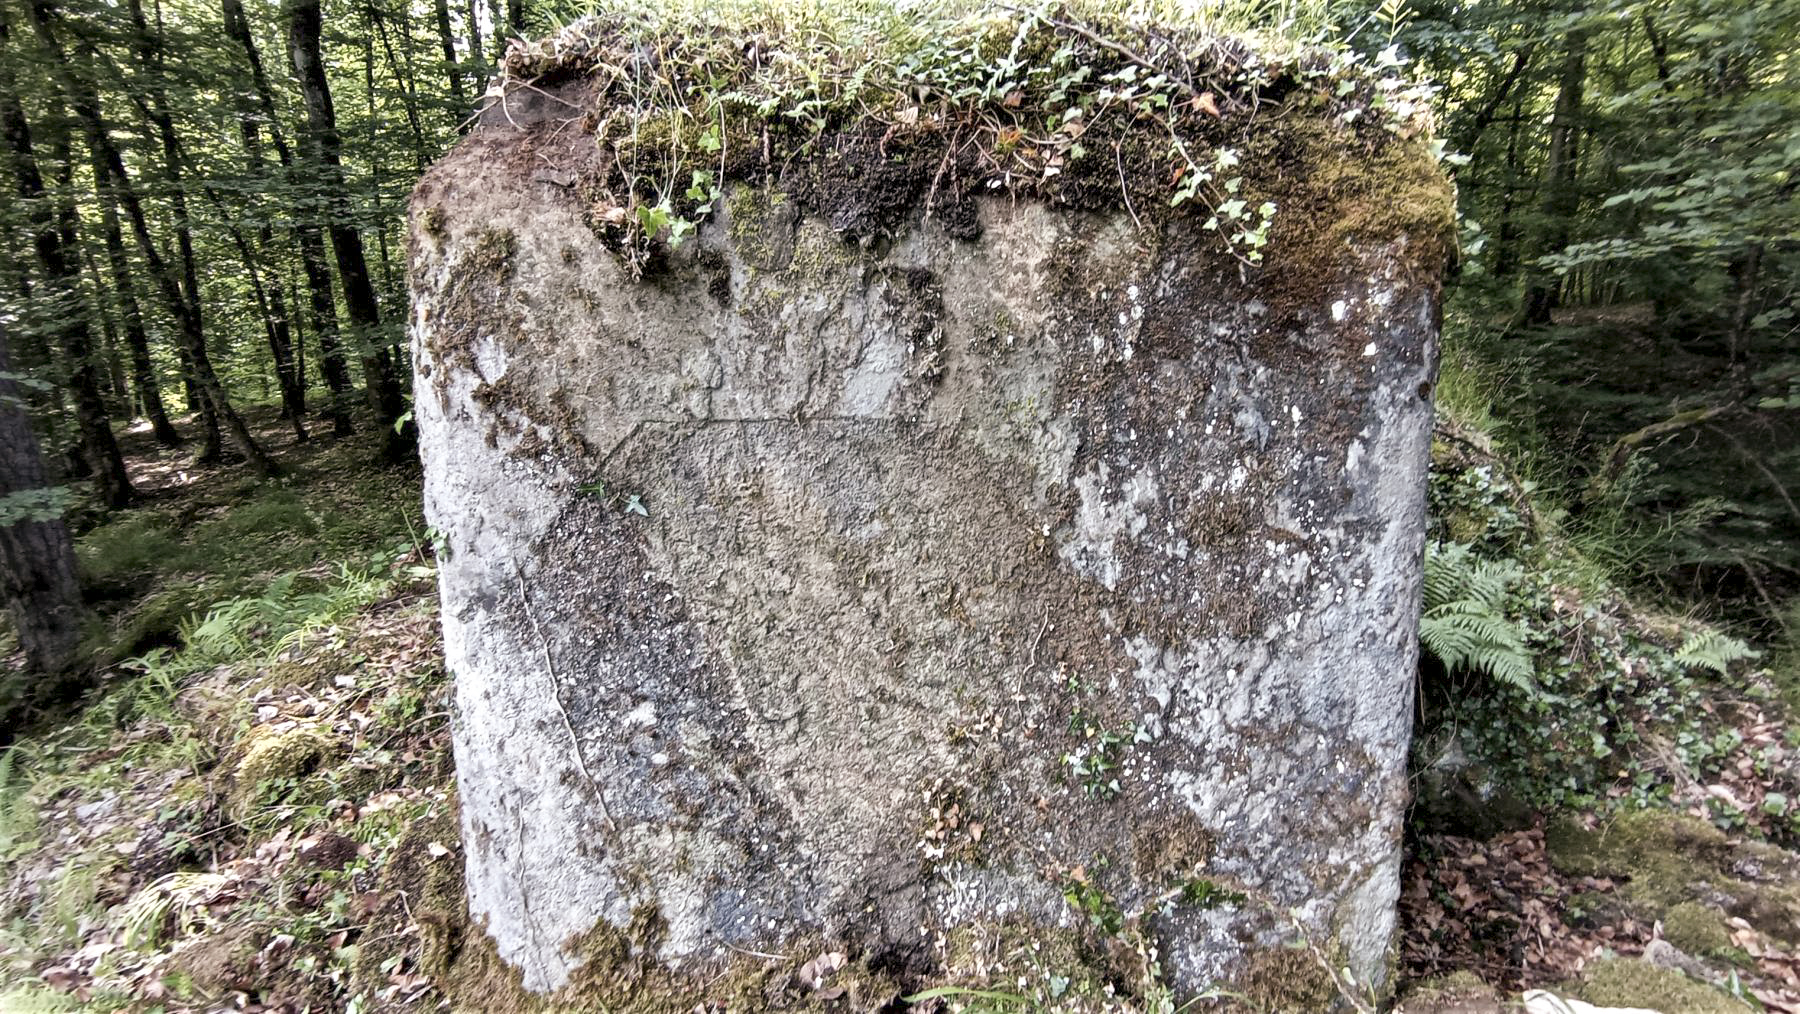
(1676, 862)
(1663, 853)
(217, 963)
(1700, 931)
(1621, 982)
(276, 758)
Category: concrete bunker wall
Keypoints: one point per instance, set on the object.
(869, 588)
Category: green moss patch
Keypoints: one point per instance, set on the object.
(273, 765)
(1683, 871)
(1619, 982)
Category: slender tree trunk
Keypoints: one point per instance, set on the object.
(149, 50)
(321, 304)
(270, 302)
(477, 50)
(403, 83)
(137, 340)
(37, 559)
(497, 17)
(109, 333)
(1560, 201)
(1746, 279)
(452, 71)
(62, 279)
(279, 328)
(380, 379)
(86, 106)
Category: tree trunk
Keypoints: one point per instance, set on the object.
(321, 304)
(497, 17)
(1746, 278)
(109, 337)
(477, 51)
(272, 298)
(379, 376)
(37, 559)
(137, 340)
(150, 53)
(403, 83)
(273, 306)
(447, 42)
(61, 282)
(1560, 201)
(86, 104)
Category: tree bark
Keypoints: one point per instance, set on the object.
(381, 382)
(61, 281)
(37, 558)
(86, 104)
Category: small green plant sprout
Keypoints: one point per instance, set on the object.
(630, 503)
(1086, 897)
(1094, 765)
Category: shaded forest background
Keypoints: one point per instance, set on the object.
(206, 202)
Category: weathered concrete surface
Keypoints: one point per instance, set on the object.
(930, 527)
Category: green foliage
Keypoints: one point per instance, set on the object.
(1631, 163)
(1464, 624)
(1048, 90)
(43, 504)
(1553, 682)
(1715, 650)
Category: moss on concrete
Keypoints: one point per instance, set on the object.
(491, 253)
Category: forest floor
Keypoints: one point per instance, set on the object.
(249, 811)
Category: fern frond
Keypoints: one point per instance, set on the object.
(1464, 625)
(1715, 650)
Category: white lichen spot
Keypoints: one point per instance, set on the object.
(1369, 349)
(1339, 310)
(641, 717)
(1100, 523)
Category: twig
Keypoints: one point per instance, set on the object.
(1106, 43)
(556, 696)
(1039, 639)
(1124, 189)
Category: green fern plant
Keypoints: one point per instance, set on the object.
(1712, 649)
(18, 820)
(1464, 625)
